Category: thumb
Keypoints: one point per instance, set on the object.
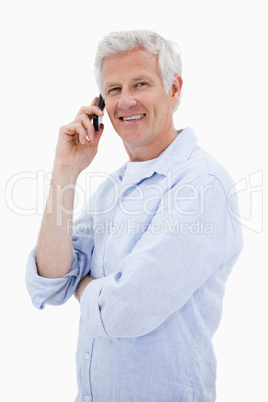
(98, 135)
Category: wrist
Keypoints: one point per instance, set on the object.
(64, 174)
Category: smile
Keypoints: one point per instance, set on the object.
(132, 118)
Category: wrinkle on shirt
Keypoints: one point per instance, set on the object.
(161, 252)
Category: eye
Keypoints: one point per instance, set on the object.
(113, 90)
(141, 84)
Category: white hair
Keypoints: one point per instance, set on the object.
(169, 57)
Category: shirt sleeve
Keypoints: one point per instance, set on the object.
(56, 291)
(190, 237)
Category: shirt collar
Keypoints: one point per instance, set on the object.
(177, 152)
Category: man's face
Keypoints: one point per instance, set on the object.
(135, 99)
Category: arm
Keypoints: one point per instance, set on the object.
(54, 249)
(166, 267)
(56, 291)
(76, 148)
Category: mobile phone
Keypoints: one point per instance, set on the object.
(96, 119)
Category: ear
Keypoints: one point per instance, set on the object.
(176, 89)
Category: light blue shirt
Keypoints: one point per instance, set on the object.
(161, 249)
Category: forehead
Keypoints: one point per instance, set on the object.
(137, 62)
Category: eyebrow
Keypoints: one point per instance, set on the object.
(143, 77)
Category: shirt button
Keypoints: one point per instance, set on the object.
(87, 357)
(87, 398)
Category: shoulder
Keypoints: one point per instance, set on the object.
(200, 166)
(203, 175)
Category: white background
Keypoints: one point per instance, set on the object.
(47, 55)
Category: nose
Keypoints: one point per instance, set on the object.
(126, 100)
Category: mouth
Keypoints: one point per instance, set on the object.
(136, 117)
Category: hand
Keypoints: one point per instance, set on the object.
(82, 285)
(78, 141)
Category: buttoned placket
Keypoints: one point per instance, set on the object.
(87, 394)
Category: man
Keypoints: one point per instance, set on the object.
(149, 257)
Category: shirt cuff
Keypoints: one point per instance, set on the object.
(55, 291)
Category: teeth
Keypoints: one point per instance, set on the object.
(137, 117)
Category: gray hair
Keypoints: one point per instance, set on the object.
(169, 57)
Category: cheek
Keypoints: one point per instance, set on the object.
(158, 102)
(161, 108)
(110, 108)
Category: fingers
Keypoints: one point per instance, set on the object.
(94, 102)
(75, 130)
(82, 127)
(85, 117)
(90, 110)
(98, 134)
(83, 131)
(86, 123)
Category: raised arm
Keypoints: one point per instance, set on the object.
(76, 148)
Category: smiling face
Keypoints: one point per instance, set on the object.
(138, 106)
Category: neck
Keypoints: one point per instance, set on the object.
(151, 150)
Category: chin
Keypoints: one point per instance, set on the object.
(131, 137)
